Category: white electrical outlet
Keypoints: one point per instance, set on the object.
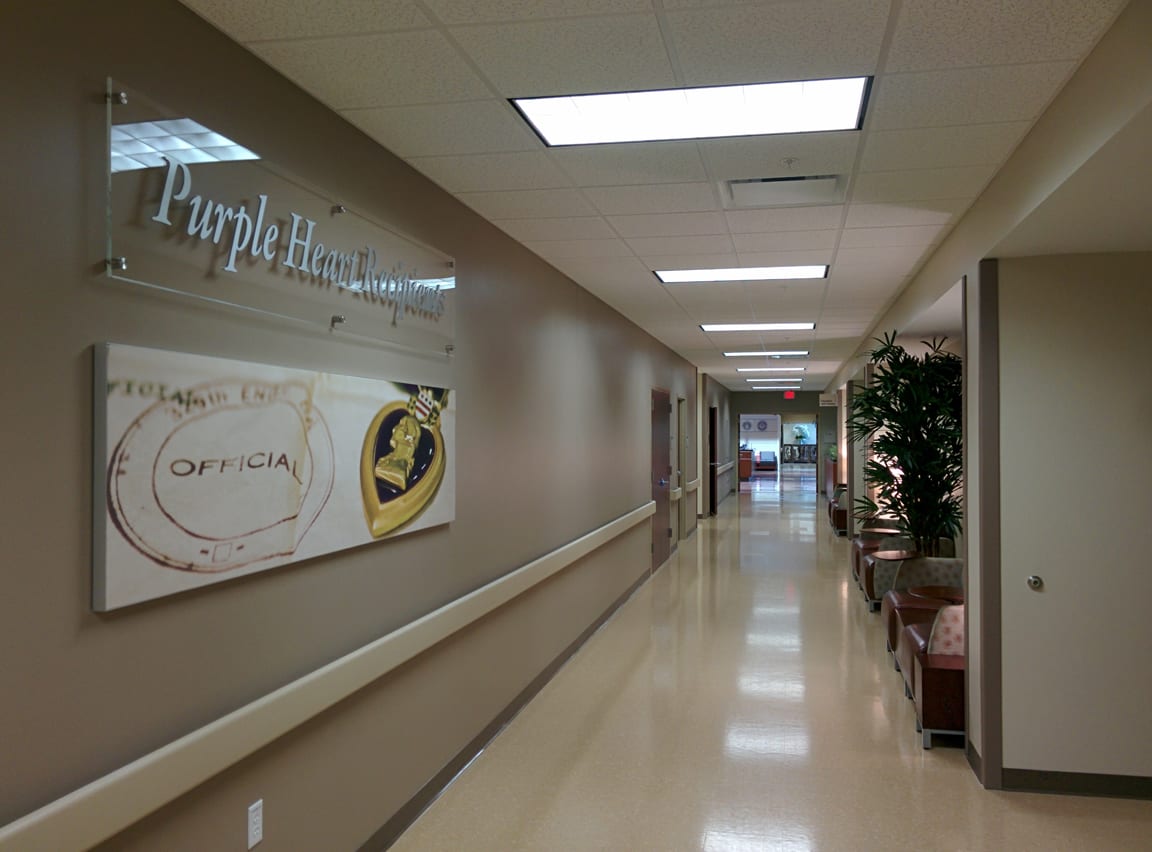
(255, 822)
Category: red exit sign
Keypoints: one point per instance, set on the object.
(789, 394)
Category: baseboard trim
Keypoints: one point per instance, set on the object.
(390, 832)
(974, 760)
(1078, 783)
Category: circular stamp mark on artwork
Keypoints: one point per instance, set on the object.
(231, 474)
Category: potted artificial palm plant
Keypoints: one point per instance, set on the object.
(912, 414)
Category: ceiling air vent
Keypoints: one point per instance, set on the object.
(785, 192)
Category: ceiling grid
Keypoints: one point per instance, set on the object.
(956, 88)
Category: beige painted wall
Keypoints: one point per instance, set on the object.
(1077, 656)
(553, 440)
(716, 395)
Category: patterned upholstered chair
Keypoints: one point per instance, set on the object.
(868, 540)
(870, 565)
(899, 608)
(938, 677)
(878, 575)
(932, 663)
(838, 510)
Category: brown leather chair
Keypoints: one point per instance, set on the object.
(922, 571)
(932, 663)
(900, 609)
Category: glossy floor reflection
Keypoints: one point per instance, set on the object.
(742, 700)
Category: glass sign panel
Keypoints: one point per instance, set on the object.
(195, 213)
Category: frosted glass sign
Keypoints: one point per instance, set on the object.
(197, 213)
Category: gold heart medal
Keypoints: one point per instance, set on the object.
(403, 459)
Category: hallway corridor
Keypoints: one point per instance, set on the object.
(743, 700)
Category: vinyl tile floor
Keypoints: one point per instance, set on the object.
(741, 700)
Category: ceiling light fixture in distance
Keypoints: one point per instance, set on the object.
(770, 369)
(779, 353)
(757, 326)
(749, 273)
(793, 380)
(802, 106)
(776, 387)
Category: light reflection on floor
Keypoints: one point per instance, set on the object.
(742, 700)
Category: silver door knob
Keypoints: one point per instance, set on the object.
(1035, 583)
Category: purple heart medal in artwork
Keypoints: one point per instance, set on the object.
(403, 459)
(228, 474)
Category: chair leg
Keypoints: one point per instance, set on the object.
(927, 738)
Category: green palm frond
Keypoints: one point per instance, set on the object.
(911, 414)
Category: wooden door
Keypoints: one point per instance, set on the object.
(661, 477)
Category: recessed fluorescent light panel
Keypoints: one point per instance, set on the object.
(145, 144)
(804, 106)
(757, 326)
(794, 380)
(776, 387)
(779, 353)
(751, 273)
(769, 369)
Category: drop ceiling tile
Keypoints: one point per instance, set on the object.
(794, 299)
(863, 295)
(778, 41)
(669, 224)
(908, 213)
(649, 246)
(475, 127)
(529, 203)
(579, 248)
(703, 310)
(486, 11)
(420, 67)
(767, 156)
(967, 96)
(784, 258)
(691, 261)
(921, 184)
(913, 236)
(879, 255)
(659, 198)
(573, 56)
(562, 228)
(940, 147)
(493, 172)
(626, 163)
(274, 19)
(785, 219)
(785, 241)
(947, 34)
